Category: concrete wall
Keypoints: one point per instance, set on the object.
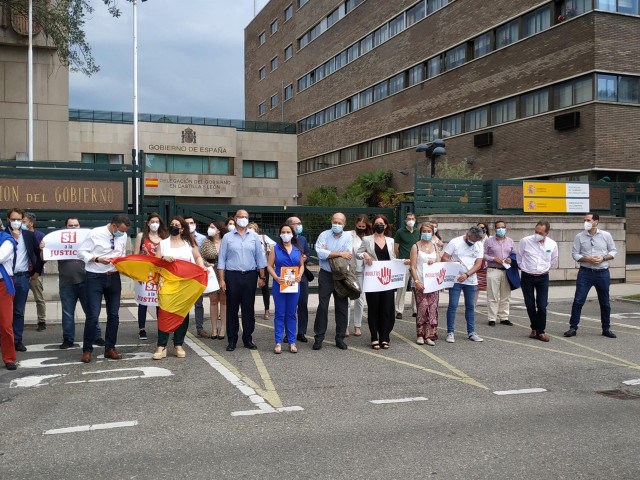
(563, 231)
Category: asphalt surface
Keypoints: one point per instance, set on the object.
(198, 417)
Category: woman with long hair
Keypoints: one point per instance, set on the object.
(217, 300)
(361, 230)
(147, 242)
(425, 251)
(380, 305)
(286, 253)
(179, 246)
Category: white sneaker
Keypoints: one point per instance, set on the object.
(450, 338)
(475, 338)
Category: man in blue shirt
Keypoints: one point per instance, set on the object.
(331, 244)
(241, 262)
(303, 311)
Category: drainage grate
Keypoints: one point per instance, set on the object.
(619, 394)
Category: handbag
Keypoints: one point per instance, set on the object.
(308, 274)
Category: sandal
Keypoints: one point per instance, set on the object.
(293, 348)
(375, 346)
(385, 345)
(358, 332)
(278, 348)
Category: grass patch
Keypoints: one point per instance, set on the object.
(633, 297)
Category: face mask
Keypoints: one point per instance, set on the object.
(243, 222)
(378, 228)
(211, 232)
(24, 227)
(483, 230)
(154, 227)
(411, 223)
(361, 230)
(469, 242)
(192, 228)
(231, 228)
(588, 225)
(299, 229)
(501, 232)
(251, 230)
(538, 237)
(336, 228)
(435, 229)
(118, 234)
(16, 224)
(426, 236)
(286, 237)
(174, 231)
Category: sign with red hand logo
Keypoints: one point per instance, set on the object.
(385, 275)
(441, 275)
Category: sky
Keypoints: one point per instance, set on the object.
(190, 58)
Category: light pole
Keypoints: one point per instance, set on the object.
(432, 151)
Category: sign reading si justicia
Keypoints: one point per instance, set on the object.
(45, 194)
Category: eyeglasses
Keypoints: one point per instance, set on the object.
(113, 243)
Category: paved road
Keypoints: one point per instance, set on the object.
(243, 414)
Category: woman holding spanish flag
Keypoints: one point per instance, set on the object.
(179, 246)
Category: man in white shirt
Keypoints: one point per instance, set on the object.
(467, 251)
(102, 279)
(537, 254)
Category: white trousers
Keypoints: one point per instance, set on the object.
(401, 293)
(498, 295)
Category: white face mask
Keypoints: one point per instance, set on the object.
(211, 232)
(286, 237)
(192, 228)
(231, 227)
(251, 230)
(538, 237)
(243, 222)
(16, 224)
(411, 223)
(154, 226)
(588, 225)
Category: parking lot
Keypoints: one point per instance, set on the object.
(510, 406)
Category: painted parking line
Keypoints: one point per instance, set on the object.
(632, 382)
(596, 320)
(398, 400)
(521, 391)
(89, 428)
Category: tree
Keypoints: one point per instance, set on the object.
(63, 23)
(458, 170)
(370, 186)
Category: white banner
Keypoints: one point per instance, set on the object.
(212, 285)
(385, 275)
(441, 275)
(63, 244)
(147, 293)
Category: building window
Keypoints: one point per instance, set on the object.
(274, 101)
(364, 150)
(451, 126)
(396, 83)
(348, 155)
(288, 91)
(220, 166)
(336, 15)
(330, 114)
(507, 34)
(481, 45)
(353, 103)
(288, 52)
(380, 91)
(433, 67)
(628, 89)
(341, 60)
(476, 119)
(331, 159)
(456, 56)
(318, 74)
(330, 66)
(536, 21)
(259, 169)
(301, 3)
(573, 92)
(393, 142)
(262, 38)
(262, 108)
(262, 73)
(534, 103)
(608, 87)
(187, 164)
(429, 132)
(366, 44)
(381, 35)
(416, 74)
(320, 118)
(377, 146)
(396, 25)
(416, 13)
(288, 12)
(504, 111)
(274, 63)
(622, 6)
(352, 52)
(410, 137)
(351, 4)
(433, 5)
(274, 26)
(103, 158)
(571, 8)
(341, 109)
(366, 97)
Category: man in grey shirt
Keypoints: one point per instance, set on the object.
(593, 249)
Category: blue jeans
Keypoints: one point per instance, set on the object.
(469, 300)
(535, 291)
(97, 285)
(588, 278)
(21, 282)
(69, 296)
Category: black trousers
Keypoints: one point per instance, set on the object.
(303, 310)
(535, 291)
(325, 290)
(241, 293)
(381, 314)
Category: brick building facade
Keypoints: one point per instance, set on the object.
(367, 80)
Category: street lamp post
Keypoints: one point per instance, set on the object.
(432, 151)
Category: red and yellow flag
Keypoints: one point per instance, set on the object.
(180, 284)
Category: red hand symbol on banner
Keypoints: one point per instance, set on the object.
(385, 276)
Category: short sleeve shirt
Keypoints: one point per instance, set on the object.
(405, 240)
(460, 251)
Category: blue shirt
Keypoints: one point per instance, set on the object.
(238, 253)
(327, 243)
(285, 259)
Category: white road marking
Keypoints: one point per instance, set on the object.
(622, 316)
(88, 428)
(632, 382)
(39, 363)
(33, 380)
(48, 347)
(399, 400)
(257, 400)
(517, 392)
(147, 372)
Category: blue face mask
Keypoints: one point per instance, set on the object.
(469, 242)
(24, 227)
(426, 236)
(501, 232)
(435, 229)
(299, 229)
(336, 228)
(118, 234)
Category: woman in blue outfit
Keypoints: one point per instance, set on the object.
(286, 253)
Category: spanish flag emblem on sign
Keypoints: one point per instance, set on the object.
(150, 182)
(180, 285)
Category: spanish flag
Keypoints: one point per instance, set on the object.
(180, 285)
(150, 182)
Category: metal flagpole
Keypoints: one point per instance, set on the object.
(30, 80)
(136, 148)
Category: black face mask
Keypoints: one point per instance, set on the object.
(361, 230)
(174, 231)
(378, 228)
